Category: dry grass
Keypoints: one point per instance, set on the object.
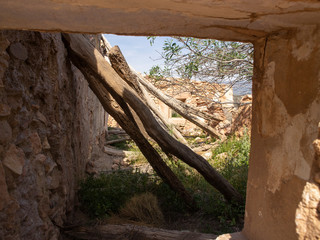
(143, 208)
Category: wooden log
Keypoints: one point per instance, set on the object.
(204, 115)
(91, 63)
(121, 66)
(96, 83)
(134, 232)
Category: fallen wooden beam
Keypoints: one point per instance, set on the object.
(122, 114)
(121, 66)
(103, 80)
(134, 232)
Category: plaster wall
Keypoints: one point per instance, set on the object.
(282, 196)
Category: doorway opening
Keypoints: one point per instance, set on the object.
(229, 155)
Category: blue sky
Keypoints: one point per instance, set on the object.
(137, 50)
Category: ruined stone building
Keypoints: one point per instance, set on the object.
(204, 96)
(51, 125)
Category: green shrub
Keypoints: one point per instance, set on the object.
(234, 166)
(232, 163)
(107, 193)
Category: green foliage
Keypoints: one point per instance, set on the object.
(124, 145)
(234, 165)
(155, 72)
(175, 114)
(107, 193)
(209, 60)
(151, 39)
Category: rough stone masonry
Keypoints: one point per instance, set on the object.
(51, 125)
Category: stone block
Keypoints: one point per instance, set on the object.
(41, 117)
(30, 142)
(35, 142)
(45, 144)
(14, 159)
(18, 51)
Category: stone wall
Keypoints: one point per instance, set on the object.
(51, 125)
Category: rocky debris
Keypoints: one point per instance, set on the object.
(197, 94)
(236, 121)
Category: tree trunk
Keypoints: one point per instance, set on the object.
(121, 66)
(91, 63)
(134, 232)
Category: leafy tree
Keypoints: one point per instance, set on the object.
(220, 62)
